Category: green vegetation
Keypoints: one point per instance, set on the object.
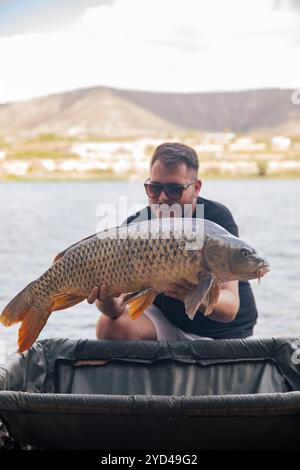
(262, 167)
(41, 154)
(49, 137)
(128, 138)
(295, 139)
(44, 138)
(149, 150)
(4, 145)
(190, 134)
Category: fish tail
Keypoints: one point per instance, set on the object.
(32, 324)
(21, 310)
(15, 310)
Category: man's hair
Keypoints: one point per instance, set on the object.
(174, 153)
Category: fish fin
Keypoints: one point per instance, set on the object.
(133, 295)
(197, 295)
(64, 300)
(62, 253)
(59, 256)
(139, 302)
(32, 324)
(20, 309)
(212, 298)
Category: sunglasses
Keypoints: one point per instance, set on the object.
(172, 190)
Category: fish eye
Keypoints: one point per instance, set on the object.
(245, 252)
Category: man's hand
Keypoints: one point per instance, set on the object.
(111, 306)
(226, 307)
(180, 289)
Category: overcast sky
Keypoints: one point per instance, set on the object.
(47, 46)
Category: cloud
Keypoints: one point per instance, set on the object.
(190, 26)
(41, 16)
(169, 45)
(287, 4)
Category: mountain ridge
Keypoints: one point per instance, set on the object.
(109, 112)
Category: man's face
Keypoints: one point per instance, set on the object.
(179, 174)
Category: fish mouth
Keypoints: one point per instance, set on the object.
(261, 269)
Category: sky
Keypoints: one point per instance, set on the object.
(49, 46)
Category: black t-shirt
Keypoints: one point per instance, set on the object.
(174, 310)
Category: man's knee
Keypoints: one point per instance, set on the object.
(125, 328)
(109, 328)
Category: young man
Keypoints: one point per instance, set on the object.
(174, 178)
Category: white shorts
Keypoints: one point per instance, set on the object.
(165, 331)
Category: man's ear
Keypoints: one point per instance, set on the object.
(198, 185)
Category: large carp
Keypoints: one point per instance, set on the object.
(140, 260)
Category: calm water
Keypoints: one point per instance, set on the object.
(37, 220)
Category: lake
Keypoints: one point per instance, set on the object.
(38, 220)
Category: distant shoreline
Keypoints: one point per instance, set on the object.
(85, 179)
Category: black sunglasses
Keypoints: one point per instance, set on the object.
(172, 190)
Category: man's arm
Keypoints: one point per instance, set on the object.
(228, 303)
(225, 309)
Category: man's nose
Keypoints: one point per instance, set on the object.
(162, 197)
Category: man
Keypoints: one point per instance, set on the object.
(174, 178)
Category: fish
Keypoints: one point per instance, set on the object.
(139, 260)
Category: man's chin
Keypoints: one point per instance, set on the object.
(164, 215)
(167, 212)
